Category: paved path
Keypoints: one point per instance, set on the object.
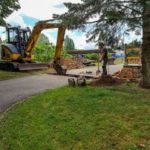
(110, 68)
(14, 90)
(21, 88)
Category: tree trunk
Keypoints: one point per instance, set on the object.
(146, 48)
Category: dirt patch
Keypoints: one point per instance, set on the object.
(73, 63)
(129, 73)
(70, 63)
(106, 81)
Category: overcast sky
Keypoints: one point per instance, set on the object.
(43, 9)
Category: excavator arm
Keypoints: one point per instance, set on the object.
(57, 64)
(38, 28)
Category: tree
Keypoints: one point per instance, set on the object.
(43, 39)
(134, 44)
(6, 8)
(68, 44)
(44, 52)
(110, 17)
(146, 46)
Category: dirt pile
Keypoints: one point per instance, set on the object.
(106, 80)
(129, 73)
(73, 63)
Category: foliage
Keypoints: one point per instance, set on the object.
(69, 43)
(45, 53)
(6, 8)
(134, 44)
(43, 39)
(109, 17)
(65, 54)
(92, 56)
(95, 56)
(89, 118)
(133, 52)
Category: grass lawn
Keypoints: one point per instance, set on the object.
(5, 75)
(88, 118)
(119, 61)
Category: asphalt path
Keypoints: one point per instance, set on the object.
(14, 90)
(93, 69)
(18, 89)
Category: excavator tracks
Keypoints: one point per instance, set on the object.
(15, 66)
(32, 66)
(7, 66)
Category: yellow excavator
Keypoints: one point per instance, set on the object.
(17, 52)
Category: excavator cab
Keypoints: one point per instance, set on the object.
(14, 47)
(18, 37)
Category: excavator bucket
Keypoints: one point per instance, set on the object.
(57, 65)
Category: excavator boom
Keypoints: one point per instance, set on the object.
(38, 28)
(42, 25)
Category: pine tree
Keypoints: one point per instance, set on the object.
(6, 8)
(110, 18)
(68, 44)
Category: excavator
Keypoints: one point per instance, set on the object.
(17, 52)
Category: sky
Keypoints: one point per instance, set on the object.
(33, 10)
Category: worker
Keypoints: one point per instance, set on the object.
(104, 58)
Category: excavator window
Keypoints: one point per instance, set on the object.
(12, 36)
(18, 37)
(3, 35)
(26, 35)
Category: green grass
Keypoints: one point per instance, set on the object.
(5, 75)
(88, 118)
(119, 61)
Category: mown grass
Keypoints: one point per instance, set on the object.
(5, 75)
(88, 118)
(119, 61)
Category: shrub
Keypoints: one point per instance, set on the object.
(45, 53)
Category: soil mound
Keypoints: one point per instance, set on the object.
(106, 80)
